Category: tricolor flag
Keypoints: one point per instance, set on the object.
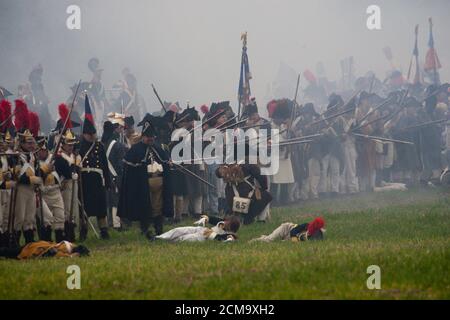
(89, 124)
(432, 63)
(245, 76)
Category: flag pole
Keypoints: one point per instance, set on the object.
(435, 77)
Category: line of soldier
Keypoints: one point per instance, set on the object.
(128, 176)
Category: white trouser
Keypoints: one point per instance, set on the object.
(329, 175)
(25, 211)
(280, 233)
(311, 183)
(265, 214)
(195, 203)
(53, 207)
(70, 199)
(349, 178)
(184, 234)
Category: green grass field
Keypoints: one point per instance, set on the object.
(407, 234)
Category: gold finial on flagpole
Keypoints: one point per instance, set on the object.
(244, 39)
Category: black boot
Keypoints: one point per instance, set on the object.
(14, 239)
(29, 236)
(3, 244)
(59, 236)
(83, 233)
(69, 233)
(104, 233)
(158, 224)
(149, 235)
(46, 234)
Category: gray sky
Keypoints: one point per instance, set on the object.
(191, 49)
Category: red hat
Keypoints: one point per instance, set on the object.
(271, 106)
(5, 115)
(309, 76)
(34, 123)
(315, 225)
(63, 111)
(21, 121)
(204, 109)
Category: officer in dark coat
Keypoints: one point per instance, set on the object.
(146, 194)
(115, 151)
(95, 175)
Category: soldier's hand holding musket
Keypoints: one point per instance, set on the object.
(35, 180)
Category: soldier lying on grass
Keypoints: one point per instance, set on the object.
(222, 230)
(42, 249)
(296, 232)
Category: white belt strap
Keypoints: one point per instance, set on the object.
(108, 152)
(236, 193)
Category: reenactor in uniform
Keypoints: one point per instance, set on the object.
(67, 164)
(146, 193)
(95, 176)
(187, 191)
(6, 185)
(51, 203)
(115, 151)
(27, 180)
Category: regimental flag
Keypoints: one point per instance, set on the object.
(245, 76)
(416, 58)
(432, 63)
(89, 124)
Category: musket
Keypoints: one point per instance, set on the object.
(256, 138)
(253, 126)
(424, 124)
(41, 209)
(345, 104)
(226, 122)
(294, 107)
(389, 116)
(181, 119)
(14, 154)
(85, 217)
(11, 217)
(333, 116)
(70, 223)
(289, 143)
(381, 138)
(189, 172)
(208, 120)
(194, 160)
(159, 99)
(233, 125)
(9, 117)
(382, 104)
(64, 128)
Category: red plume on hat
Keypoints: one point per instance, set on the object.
(315, 225)
(34, 123)
(204, 109)
(309, 76)
(63, 111)
(5, 115)
(22, 120)
(271, 106)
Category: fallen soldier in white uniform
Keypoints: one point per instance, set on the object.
(224, 230)
(296, 232)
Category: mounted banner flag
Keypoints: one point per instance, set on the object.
(244, 91)
(432, 63)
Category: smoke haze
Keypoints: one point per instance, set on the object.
(191, 50)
